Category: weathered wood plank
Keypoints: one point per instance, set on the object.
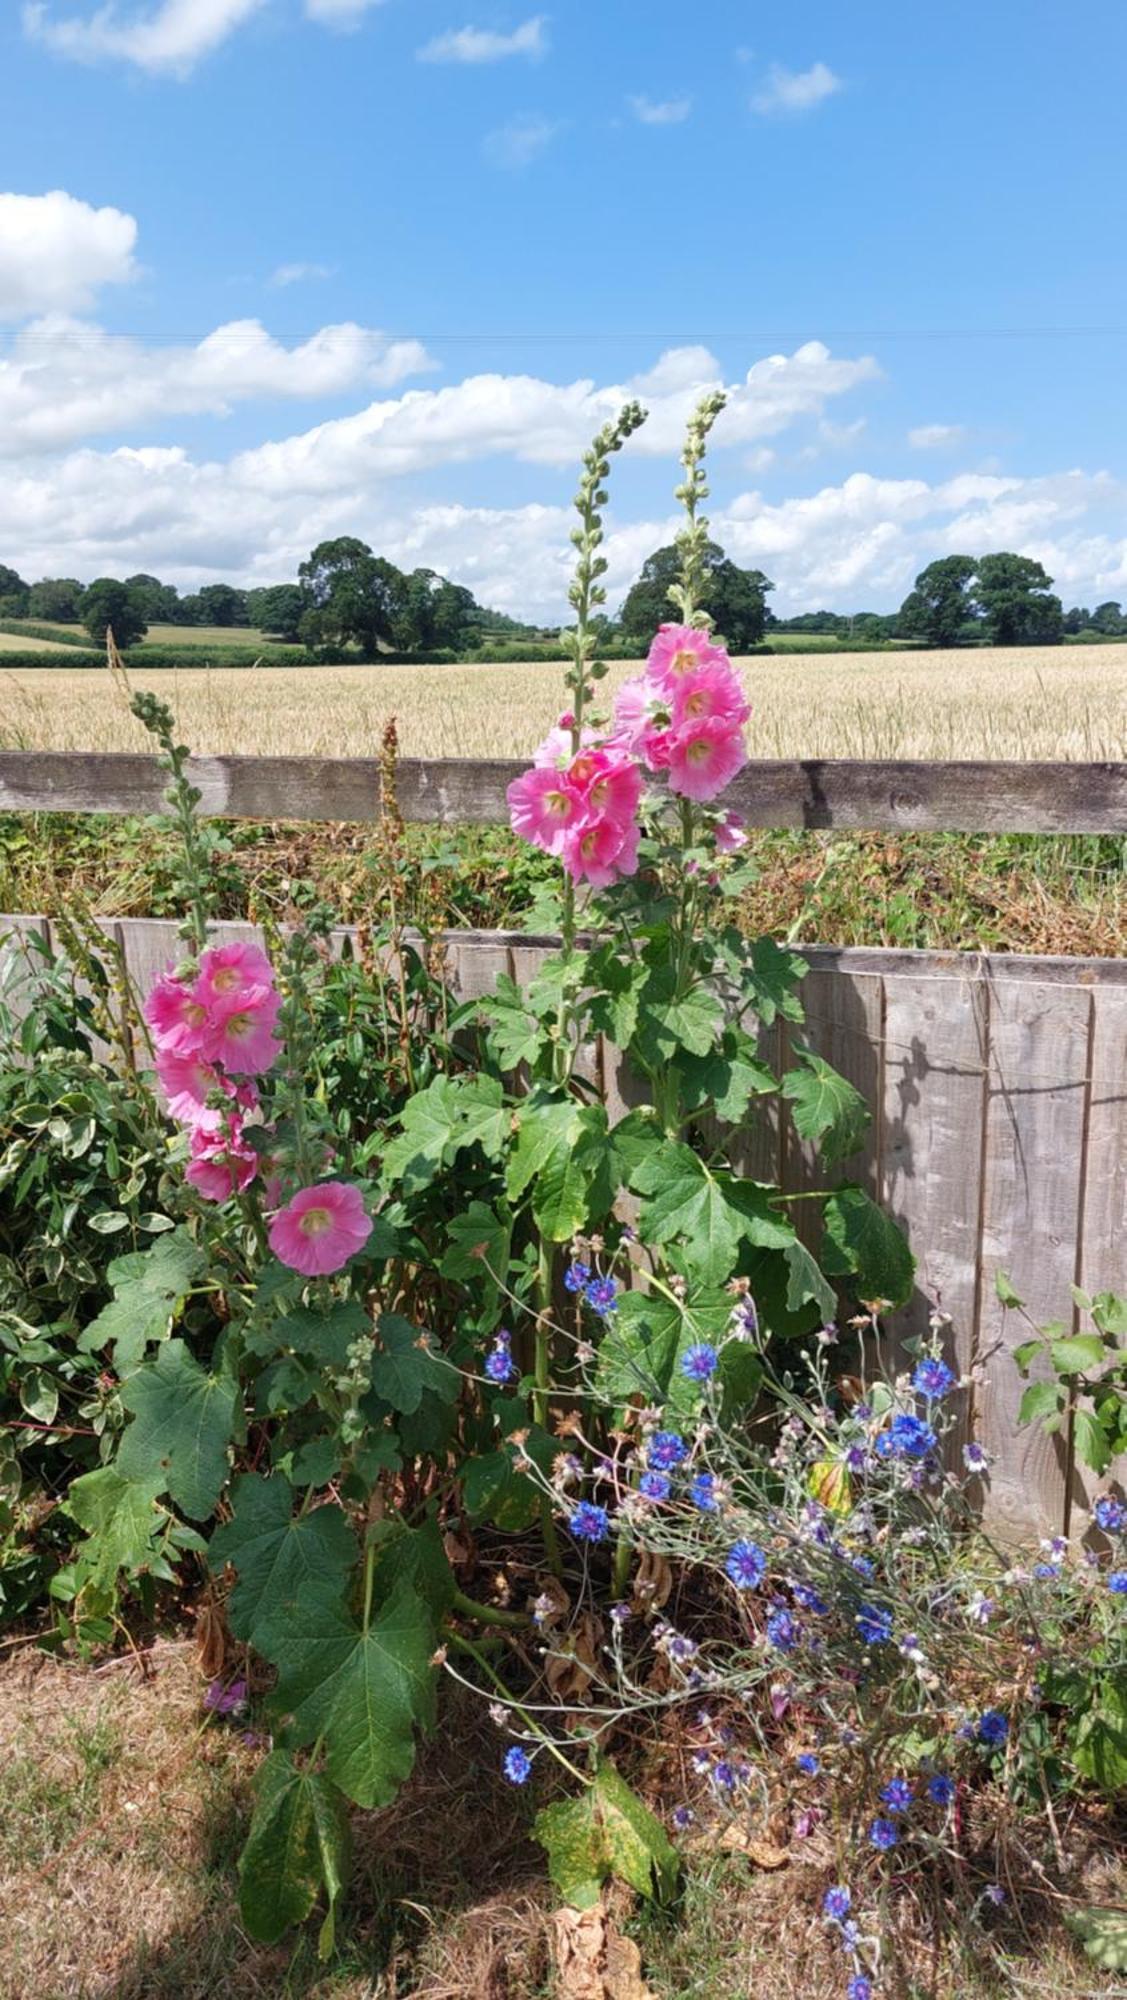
(889, 794)
(1036, 1129)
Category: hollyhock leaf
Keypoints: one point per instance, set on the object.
(183, 1422)
(321, 1337)
(709, 1213)
(1076, 1354)
(453, 1112)
(561, 1153)
(121, 1519)
(416, 1557)
(364, 1691)
(605, 1831)
(1090, 1441)
(313, 1463)
(640, 1351)
(863, 1242)
(1099, 1747)
(299, 1843)
(825, 1107)
(493, 1489)
(403, 1366)
(618, 983)
(515, 1035)
(669, 1021)
(479, 1241)
(150, 1287)
(728, 1078)
(769, 976)
(806, 1283)
(1103, 1934)
(276, 1553)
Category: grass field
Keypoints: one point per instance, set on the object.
(1004, 703)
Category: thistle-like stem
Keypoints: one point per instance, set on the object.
(182, 798)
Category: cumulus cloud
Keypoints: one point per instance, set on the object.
(483, 45)
(796, 90)
(170, 39)
(928, 437)
(520, 141)
(55, 252)
(65, 379)
(671, 111)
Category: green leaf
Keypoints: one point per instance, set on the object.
(1026, 1354)
(299, 1841)
(728, 1078)
(618, 984)
(806, 1283)
(322, 1337)
(862, 1241)
(39, 1395)
(479, 1244)
(669, 1021)
(515, 1035)
(1005, 1291)
(1099, 1747)
(641, 1349)
(605, 1831)
(769, 977)
(1090, 1441)
(122, 1520)
(493, 1489)
(452, 1113)
(1110, 1312)
(403, 1365)
(183, 1421)
(561, 1153)
(150, 1287)
(276, 1554)
(1041, 1400)
(710, 1214)
(1103, 1934)
(364, 1691)
(825, 1107)
(1077, 1353)
(417, 1557)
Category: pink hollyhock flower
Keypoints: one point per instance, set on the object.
(704, 757)
(244, 1041)
(221, 1163)
(642, 716)
(233, 977)
(711, 690)
(609, 783)
(731, 834)
(555, 751)
(543, 804)
(600, 851)
(177, 1016)
(320, 1229)
(681, 649)
(187, 1082)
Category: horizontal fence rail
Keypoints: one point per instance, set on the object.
(881, 796)
(997, 1087)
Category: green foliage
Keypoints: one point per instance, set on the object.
(150, 1288)
(1103, 1933)
(183, 1424)
(606, 1831)
(299, 1844)
(276, 1553)
(735, 598)
(109, 606)
(1082, 1378)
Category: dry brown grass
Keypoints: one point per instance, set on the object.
(1068, 702)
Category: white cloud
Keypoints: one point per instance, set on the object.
(340, 13)
(838, 436)
(170, 38)
(483, 45)
(926, 437)
(520, 141)
(673, 111)
(300, 274)
(65, 379)
(55, 252)
(796, 90)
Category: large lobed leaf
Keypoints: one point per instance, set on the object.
(183, 1423)
(825, 1107)
(149, 1287)
(299, 1841)
(278, 1555)
(605, 1831)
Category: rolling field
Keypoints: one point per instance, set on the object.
(1004, 703)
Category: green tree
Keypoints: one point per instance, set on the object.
(56, 598)
(1014, 598)
(1108, 619)
(13, 592)
(1078, 619)
(158, 603)
(354, 596)
(109, 603)
(434, 612)
(277, 608)
(736, 598)
(222, 604)
(940, 605)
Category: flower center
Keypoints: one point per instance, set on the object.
(700, 751)
(228, 979)
(685, 661)
(558, 804)
(194, 1014)
(315, 1221)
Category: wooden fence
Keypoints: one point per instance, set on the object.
(997, 1084)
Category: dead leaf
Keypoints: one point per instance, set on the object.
(653, 1583)
(211, 1638)
(593, 1959)
(572, 1667)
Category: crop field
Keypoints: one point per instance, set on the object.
(993, 703)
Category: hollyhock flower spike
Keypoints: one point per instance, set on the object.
(643, 717)
(233, 977)
(712, 691)
(320, 1229)
(221, 1164)
(609, 783)
(599, 851)
(682, 649)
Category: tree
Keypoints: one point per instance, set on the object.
(1078, 619)
(110, 603)
(433, 612)
(157, 602)
(355, 598)
(221, 604)
(57, 598)
(277, 608)
(13, 592)
(1108, 619)
(939, 606)
(1015, 601)
(736, 598)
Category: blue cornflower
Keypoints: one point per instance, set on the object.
(700, 1362)
(666, 1450)
(856, 1458)
(1110, 1514)
(994, 1893)
(783, 1631)
(874, 1624)
(933, 1379)
(863, 1565)
(1117, 1582)
(589, 1523)
(655, 1485)
(808, 1764)
(941, 1789)
(1046, 1569)
(577, 1277)
(602, 1296)
(499, 1363)
(974, 1458)
(702, 1492)
(906, 1437)
(897, 1795)
(859, 1988)
(724, 1775)
(746, 1565)
(517, 1766)
(683, 1817)
(836, 1903)
(883, 1834)
(808, 1600)
(993, 1727)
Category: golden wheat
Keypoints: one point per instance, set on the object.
(1004, 703)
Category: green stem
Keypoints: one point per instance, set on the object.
(489, 1614)
(467, 1646)
(369, 1578)
(622, 1553)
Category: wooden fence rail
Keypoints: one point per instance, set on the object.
(998, 1090)
(881, 795)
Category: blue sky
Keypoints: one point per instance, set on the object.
(274, 269)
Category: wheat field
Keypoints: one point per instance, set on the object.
(1068, 702)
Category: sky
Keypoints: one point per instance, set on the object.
(277, 270)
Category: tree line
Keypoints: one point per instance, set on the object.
(347, 599)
